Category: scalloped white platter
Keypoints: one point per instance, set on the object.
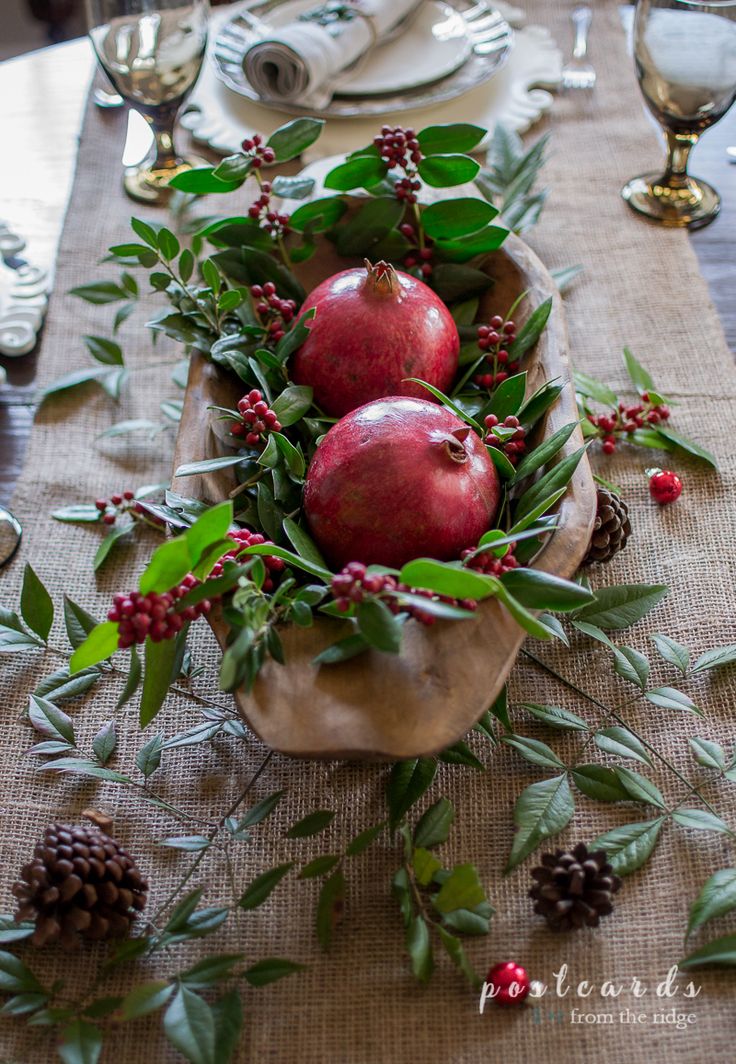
(518, 96)
(23, 298)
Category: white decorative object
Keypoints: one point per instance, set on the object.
(516, 96)
(23, 298)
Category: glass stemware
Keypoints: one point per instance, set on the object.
(685, 55)
(152, 52)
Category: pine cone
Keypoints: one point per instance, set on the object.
(80, 882)
(574, 888)
(611, 530)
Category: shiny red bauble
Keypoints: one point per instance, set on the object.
(664, 486)
(375, 327)
(397, 479)
(509, 983)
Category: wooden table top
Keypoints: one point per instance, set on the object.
(43, 98)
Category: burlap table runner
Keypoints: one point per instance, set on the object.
(359, 1004)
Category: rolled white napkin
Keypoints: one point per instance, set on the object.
(296, 63)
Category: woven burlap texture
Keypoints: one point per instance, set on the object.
(359, 1003)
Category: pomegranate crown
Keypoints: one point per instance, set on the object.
(382, 276)
(454, 445)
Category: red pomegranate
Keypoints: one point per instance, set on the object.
(374, 328)
(397, 479)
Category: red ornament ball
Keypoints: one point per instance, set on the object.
(664, 486)
(509, 983)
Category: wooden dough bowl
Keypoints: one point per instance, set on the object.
(383, 706)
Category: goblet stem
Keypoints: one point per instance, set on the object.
(162, 125)
(679, 146)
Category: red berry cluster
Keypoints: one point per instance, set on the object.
(256, 419)
(627, 419)
(273, 311)
(495, 338)
(399, 147)
(274, 222)
(154, 615)
(354, 582)
(514, 446)
(421, 253)
(489, 563)
(243, 538)
(261, 154)
(117, 504)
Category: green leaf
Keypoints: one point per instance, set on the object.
(105, 351)
(407, 783)
(557, 477)
(108, 543)
(594, 389)
(521, 615)
(461, 754)
(425, 864)
(148, 758)
(450, 137)
(187, 843)
(61, 686)
(320, 866)
(168, 566)
(420, 949)
(263, 885)
(209, 465)
(454, 949)
(717, 897)
(622, 605)
(637, 374)
(675, 653)
(228, 1013)
(708, 753)
(639, 788)
(379, 626)
(456, 217)
(369, 225)
(77, 767)
(620, 742)
(682, 443)
(270, 970)
(564, 276)
(444, 171)
(50, 720)
(542, 591)
(81, 1043)
(234, 168)
(189, 1025)
(12, 931)
(78, 622)
(629, 847)
(556, 717)
(461, 890)
(15, 977)
(541, 455)
(82, 512)
(292, 404)
(133, 679)
(543, 809)
(330, 908)
(714, 659)
(146, 998)
(531, 330)
(670, 698)
(312, 824)
(342, 650)
(632, 666)
(104, 742)
(507, 399)
(207, 530)
(35, 604)
(538, 753)
(99, 645)
(201, 181)
(453, 281)
(303, 543)
(359, 172)
(722, 951)
(319, 214)
(600, 783)
(446, 579)
(158, 674)
(539, 403)
(294, 137)
(434, 825)
(210, 970)
(365, 839)
(554, 627)
(699, 820)
(99, 293)
(260, 810)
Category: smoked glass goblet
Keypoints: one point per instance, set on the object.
(685, 56)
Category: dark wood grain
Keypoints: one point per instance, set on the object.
(39, 150)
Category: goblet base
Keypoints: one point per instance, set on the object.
(149, 184)
(682, 204)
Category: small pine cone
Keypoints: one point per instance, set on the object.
(611, 530)
(80, 882)
(574, 888)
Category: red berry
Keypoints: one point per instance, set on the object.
(116, 499)
(496, 321)
(109, 519)
(101, 505)
(609, 446)
(508, 983)
(128, 495)
(664, 486)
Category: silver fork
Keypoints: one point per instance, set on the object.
(578, 73)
